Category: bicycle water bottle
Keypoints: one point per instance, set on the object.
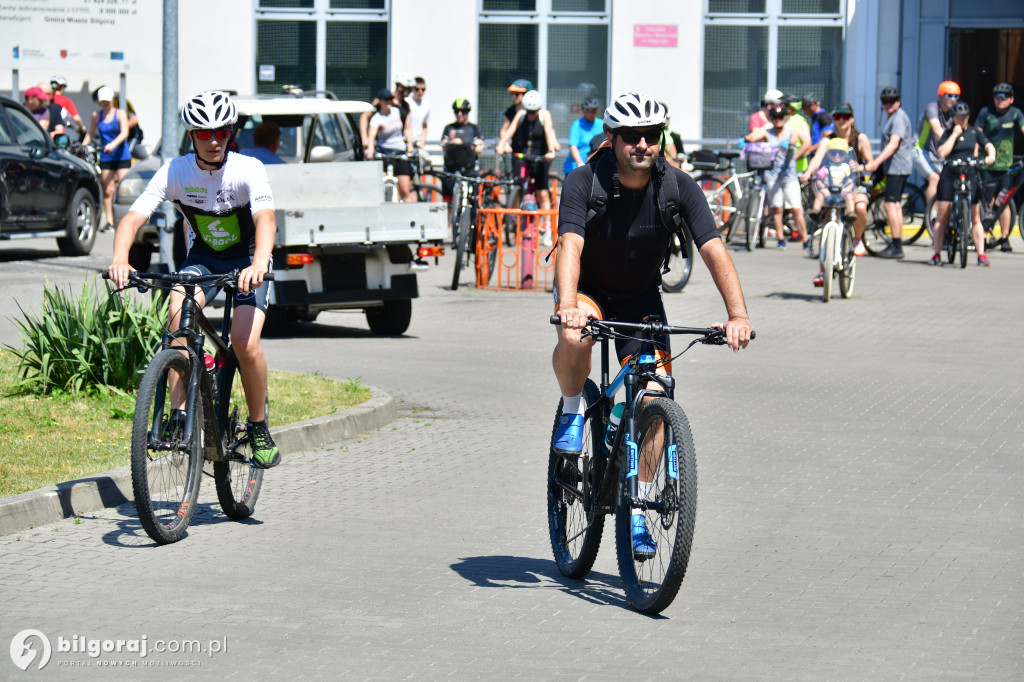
(1002, 195)
(613, 424)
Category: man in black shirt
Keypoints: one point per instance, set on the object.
(462, 141)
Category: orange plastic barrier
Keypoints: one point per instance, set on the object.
(509, 255)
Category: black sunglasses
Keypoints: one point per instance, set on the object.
(634, 135)
(887, 101)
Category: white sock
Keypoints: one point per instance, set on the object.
(573, 404)
(643, 491)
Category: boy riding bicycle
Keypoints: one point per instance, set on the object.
(229, 224)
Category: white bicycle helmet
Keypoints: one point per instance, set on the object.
(209, 110)
(633, 110)
(58, 81)
(531, 101)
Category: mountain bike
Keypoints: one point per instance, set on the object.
(993, 205)
(465, 203)
(877, 234)
(722, 186)
(959, 224)
(168, 449)
(652, 440)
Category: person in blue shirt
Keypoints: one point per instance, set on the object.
(267, 138)
(581, 133)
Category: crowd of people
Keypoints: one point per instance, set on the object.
(944, 134)
(112, 130)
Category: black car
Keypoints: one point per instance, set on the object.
(45, 190)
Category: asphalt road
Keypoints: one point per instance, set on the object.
(859, 511)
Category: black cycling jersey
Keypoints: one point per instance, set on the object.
(963, 148)
(460, 156)
(623, 254)
(529, 137)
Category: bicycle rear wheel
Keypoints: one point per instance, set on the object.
(720, 201)
(664, 441)
(877, 238)
(238, 480)
(680, 265)
(752, 217)
(460, 247)
(964, 229)
(914, 210)
(166, 471)
(574, 524)
(952, 235)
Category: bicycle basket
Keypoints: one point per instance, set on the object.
(759, 155)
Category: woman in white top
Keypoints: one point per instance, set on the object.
(387, 136)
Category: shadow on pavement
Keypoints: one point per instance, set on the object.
(130, 533)
(504, 571)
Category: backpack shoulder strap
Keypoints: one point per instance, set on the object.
(666, 191)
(604, 178)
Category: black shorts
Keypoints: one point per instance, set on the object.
(996, 181)
(400, 166)
(948, 180)
(115, 165)
(208, 265)
(894, 188)
(633, 309)
(538, 170)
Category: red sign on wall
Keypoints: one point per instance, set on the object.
(655, 35)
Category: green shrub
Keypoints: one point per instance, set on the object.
(82, 344)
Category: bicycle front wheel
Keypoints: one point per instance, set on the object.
(753, 217)
(574, 524)
(464, 229)
(849, 262)
(877, 236)
(914, 210)
(238, 480)
(664, 449)
(166, 471)
(828, 247)
(964, 229)
(680, 264)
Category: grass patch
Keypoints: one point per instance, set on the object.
(48, 440)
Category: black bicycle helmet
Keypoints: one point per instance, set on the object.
(1003, 89)
(462, 104)
(890, 92)
(960, 109)
(590, 103)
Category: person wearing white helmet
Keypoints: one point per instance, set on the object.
(610, 261)
(529, 137)
(229, 224)
(760, 117)
(59, 84)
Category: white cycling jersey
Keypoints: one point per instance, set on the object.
(218, 205)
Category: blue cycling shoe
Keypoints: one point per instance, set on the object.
(644, 546)
(569, 434)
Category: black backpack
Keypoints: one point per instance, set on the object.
(606, 177)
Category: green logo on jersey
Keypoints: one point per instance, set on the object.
(219, 232)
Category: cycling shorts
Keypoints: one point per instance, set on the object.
(997, 180)
(633, 309)
(197, 264)
(926, 163)
(894, 188)
(948, 181)
(538, 170)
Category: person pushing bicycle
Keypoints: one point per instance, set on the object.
(611, 268)
(229, 224)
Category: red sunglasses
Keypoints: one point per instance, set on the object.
(841, 117)
(221, 133)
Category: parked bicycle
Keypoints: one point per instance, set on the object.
(722, 185)
(643, 444)
(470, 193)
(168, 450)
(878, 234)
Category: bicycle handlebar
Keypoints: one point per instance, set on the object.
(603, 328)
(529, 158)
(230, 279)
(472, 179)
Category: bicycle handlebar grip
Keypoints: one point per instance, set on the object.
(753, 335)
(555, 319)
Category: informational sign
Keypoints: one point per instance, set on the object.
(655, 35)
(81, 35)
(267, 72)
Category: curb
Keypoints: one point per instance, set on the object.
(113, 488)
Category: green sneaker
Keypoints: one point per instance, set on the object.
(265, 453)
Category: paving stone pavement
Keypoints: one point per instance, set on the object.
(859, 512)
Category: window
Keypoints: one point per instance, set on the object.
(25, 128)
(752, 45)
(6, 136)
(561, 47)
(335, 45)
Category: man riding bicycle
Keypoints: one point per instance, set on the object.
(611, 269)
(229, 224)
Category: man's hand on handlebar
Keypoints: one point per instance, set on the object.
(572, 317)
(118, 273)
(737, 332)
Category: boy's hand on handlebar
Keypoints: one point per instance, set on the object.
(119, 273)
(252, 277)
(737, 332)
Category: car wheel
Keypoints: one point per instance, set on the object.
(391, 319)
(80, 226)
